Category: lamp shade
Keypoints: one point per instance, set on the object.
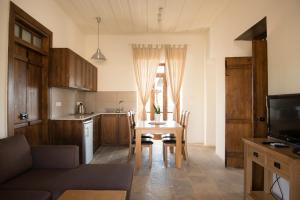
(98, 55)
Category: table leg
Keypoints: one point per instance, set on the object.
(178, 155)
(138, 149)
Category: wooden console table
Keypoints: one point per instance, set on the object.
(262, 162)
(93, 195)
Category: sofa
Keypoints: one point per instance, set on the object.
(45, 172)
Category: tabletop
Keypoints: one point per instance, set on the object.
(148, 125)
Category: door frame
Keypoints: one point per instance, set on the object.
(17, 14)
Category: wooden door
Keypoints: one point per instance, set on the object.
(29, 45)
(239, 107)
(123, 132)
(260, 87)
(109, 125)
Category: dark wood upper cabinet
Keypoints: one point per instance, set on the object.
(69, 70)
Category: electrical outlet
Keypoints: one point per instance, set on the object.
(58, 104)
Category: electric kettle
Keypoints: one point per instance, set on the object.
(80, 109)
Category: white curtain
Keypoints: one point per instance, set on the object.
(175, 62)
(145, 60)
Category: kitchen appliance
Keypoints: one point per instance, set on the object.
(80, 108)
(87, 146)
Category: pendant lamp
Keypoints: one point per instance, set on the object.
(98, 55)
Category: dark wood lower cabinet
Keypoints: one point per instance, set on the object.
(70, 132)
(96, 133)
(114, 129)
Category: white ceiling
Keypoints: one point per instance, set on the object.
(140, 16)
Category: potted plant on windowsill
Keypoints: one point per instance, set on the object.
(156, 113)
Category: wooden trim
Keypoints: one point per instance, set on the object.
(20, 16)
(256, 32)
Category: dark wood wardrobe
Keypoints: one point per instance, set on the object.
(28, 58)
(246, 86)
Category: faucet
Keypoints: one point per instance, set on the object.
(119, 109)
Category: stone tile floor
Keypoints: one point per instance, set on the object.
(204, 177)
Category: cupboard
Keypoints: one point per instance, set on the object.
(28, 58)
(114, 129)
(69, 70)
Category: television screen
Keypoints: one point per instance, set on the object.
(284, 117)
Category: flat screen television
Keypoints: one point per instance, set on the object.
(284, 117)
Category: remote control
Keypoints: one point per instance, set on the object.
(278, 144)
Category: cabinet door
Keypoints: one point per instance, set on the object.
(89, 76)
(96, 133)
(109, 125)
(78, 72)
(84, 74)
(72, 69)
(123, 130)
(95, 71)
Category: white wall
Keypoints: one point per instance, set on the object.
(48, 13)
(283, 18)
(116, 73)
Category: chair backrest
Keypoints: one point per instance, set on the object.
(182, 118)
(130, 126)
(185, 124)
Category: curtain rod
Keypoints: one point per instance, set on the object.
(182, 45)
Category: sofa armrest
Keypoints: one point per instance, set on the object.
(55, 156)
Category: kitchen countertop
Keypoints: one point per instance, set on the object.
(85, 116)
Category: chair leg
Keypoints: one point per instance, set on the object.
(171, 149)
(183, 153)
(186, 152)
(129, 153)
(166, 155)
(150, 156)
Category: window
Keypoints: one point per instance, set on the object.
(28, 36)
(161, 96)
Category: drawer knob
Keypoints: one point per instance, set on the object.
(255, 154)
(277, 165)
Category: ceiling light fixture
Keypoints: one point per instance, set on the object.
(98, 55)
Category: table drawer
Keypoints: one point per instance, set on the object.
(279, 166)
(256, 155)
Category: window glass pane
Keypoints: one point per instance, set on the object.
(26, 36)
(160, 69)
(37, 42)
(17, 30)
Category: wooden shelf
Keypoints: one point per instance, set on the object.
(260, 195)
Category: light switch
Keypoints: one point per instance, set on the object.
(58, 104)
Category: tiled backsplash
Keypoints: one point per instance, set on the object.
(63, 101)
(108, 101)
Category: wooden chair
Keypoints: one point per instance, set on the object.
(144, 135)
(167, 135)
(146, 142)
(171, 141)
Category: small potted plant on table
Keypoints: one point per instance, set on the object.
(156, 113)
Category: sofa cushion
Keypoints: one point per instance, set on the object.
(85, 177)
(15, 157)
(24, 195)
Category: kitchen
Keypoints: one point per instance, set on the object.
(80, 115)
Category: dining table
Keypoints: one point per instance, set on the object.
(160, 128)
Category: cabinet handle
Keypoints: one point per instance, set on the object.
(255, 154)
(277, 165)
